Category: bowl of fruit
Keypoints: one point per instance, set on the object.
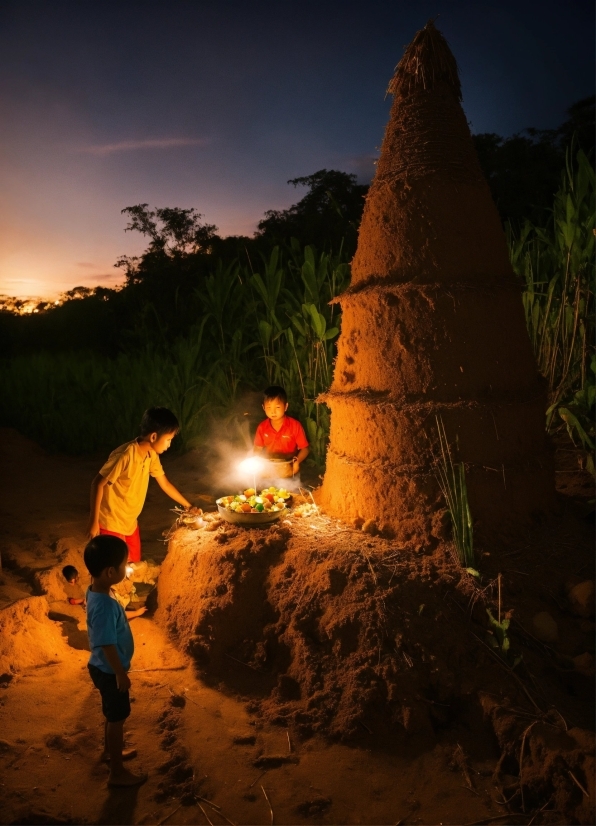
(254, 508)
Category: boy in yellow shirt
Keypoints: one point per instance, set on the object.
(118, 491)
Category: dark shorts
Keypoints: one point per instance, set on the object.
(115, 704)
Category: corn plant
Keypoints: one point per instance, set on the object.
(556, 263)
(451, 477)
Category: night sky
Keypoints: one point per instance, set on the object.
(217, 104)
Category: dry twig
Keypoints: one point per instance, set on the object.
(461, 760)
(509, 671)
(578, 784)
(208, 802)
(210, 822)
(170, 815)
(252, 668)
(269, 803)
(258, 778)
(521, 759)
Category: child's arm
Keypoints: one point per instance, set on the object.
(171, 491)
(302, 454)
(138, 613)
(97, 486)
(122, 678)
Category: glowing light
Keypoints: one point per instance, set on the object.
(251, 465)
(129, 570)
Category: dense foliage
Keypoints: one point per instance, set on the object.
(261, 324)
(557, 264)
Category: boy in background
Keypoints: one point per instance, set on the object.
(72, 589)
(280, 436)
(112, 647)
(118, 491)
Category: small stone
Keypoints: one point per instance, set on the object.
(545, 628)
(584, 663)
(581, 599)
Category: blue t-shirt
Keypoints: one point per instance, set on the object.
(107, 625)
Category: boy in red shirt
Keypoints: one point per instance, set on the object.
(280, 436)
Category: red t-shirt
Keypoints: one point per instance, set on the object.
(287, 441)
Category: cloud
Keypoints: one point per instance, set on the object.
(363, 165)
(134, 146)
(101, 278)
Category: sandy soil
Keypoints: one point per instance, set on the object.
(200, 737)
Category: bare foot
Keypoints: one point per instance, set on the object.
(126, 778)
(127, 754)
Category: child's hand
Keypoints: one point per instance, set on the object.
(92, 530)
(123, 681)
(138, 613)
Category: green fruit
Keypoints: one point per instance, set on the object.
(259, 507)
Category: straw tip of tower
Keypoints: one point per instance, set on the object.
(427, 61)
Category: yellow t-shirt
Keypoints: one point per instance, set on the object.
(127, 473)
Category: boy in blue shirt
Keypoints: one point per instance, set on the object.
(112, 647)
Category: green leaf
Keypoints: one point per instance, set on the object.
(573, 424)
(265, 332)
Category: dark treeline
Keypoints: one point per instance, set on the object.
(162, 295)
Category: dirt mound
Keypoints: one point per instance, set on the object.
(27, 637)
(544, 764)
(40, 564)
(325, 629)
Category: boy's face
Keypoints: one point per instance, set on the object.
(275, 409)
(161, 443)
(116, 575)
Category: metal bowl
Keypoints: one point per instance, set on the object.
(263, 518)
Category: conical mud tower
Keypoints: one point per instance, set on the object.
(433, 326)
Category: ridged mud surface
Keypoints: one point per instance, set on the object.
(432, 326)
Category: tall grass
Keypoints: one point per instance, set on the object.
(451, 477)
(262, 323)
(82, 402)
(557, 265)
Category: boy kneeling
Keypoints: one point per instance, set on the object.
(112, 647)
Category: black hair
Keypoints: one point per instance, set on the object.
(69, 572)
(275, 392)
(104, 551)
(159, 420)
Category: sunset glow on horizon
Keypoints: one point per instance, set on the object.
(110, 105)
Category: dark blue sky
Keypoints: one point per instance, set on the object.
(217, 104)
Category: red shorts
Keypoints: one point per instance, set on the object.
(133, 541)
